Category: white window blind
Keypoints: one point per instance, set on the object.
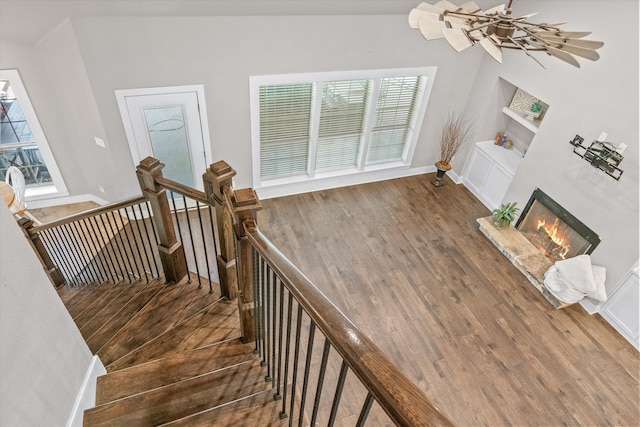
(285, 121)
(342, 116)
(393, 118)
(321, 126)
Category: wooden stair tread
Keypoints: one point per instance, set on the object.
(218, 322)
(181, 399)
(152, 320)
(178, 367)
(108, 310)
(112, 326)
(111, 292)
(83, 298)
(257, 410)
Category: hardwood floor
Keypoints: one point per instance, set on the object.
(406, 263)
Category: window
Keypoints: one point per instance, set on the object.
(312, 126)
(22, 142)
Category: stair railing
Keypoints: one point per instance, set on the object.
(280, 307)
(110, 243)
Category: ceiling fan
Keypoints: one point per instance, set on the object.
(496, 29)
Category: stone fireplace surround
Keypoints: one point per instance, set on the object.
(523, 254)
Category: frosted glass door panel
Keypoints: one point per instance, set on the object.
(169, 139)
(169, 124)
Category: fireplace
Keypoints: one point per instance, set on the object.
(553, 230)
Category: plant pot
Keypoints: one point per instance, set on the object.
(438, 180)
(501, 223)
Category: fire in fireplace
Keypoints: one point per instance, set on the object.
(554, 230)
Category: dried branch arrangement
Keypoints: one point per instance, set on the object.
(455, 133)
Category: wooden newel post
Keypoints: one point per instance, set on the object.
(217, 180)
(245, 207)
(50, 268)
(171, 251)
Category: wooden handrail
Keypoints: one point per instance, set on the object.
(402, 400)
(89, 213)
(182, 189)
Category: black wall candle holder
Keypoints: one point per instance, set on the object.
(600, 154)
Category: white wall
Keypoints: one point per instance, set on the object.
(43, 357)
(222, 52)
(600, 96)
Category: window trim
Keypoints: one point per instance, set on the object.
(318, 78)
(58, 188)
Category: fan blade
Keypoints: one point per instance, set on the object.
(580, 51)
(429, 8)
(417, 14)
(457, 38)
(491, 49)
(445, 5)
(589, 44)
(565, 56)
(470, 7)
(457, 22)
(526, 16)
(563, 34)
(495, 9)
(431, 30)
(522, 46)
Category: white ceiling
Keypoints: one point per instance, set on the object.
(27, 21)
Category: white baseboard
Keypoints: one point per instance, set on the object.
(347, 180)
(64, 200)
(86, 397)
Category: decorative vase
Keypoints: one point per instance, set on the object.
(442, 169)
(501, 223)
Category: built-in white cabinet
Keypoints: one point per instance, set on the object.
(622, 309)
(489, 172)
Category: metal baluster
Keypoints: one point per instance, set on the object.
(157, 241)
(74, 248)
(114, 242)
(336, 399)
(323, 369)
(105, 249)
(204, 246)
(175, 214)
(274, 299)
(118, 236)
(140, 242)
(296, 355)
(283, 412)
(365, 410)
(44, 235)
(256, 286)
(267, 326)
(307, 369)
(86, 223)
(126, 228)
(277, 396)
(62, 248)
(195, 258)
(149, 245)
(82, 250)
(213, 232)
(263, 279)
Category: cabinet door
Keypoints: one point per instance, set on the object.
(479, 166)
(496, 185)
(622, 309)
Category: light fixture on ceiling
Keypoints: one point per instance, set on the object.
(496, 29)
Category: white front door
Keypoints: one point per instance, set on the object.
(169, 124)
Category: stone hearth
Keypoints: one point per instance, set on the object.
(522, 253)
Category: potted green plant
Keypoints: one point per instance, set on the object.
(505, 214)
(455, 133)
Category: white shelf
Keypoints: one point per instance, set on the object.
(521, 119)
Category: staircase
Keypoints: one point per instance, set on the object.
(173, 354)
